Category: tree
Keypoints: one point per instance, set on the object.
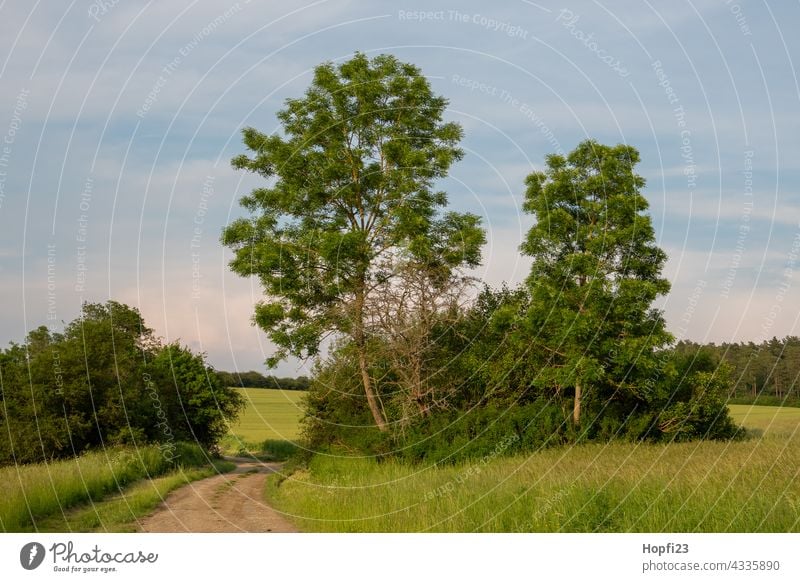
(106, 380)
(352, 201)
(596, 271)
(197, 406)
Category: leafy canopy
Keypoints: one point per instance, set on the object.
(350, 196)
(596, 271)
(106, 380)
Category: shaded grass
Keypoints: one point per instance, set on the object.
(745, 486)
(121, 512)
(31, 493)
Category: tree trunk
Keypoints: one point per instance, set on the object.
(576, 410)
(371, 398)
(361, 345)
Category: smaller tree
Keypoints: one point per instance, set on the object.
(596, 272)
(198, 406)
(408, 318)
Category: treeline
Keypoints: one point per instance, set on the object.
(767, 372)
(106, 380)
(253, 379)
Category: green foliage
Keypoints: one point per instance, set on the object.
(336, 412)
(596, 271)
(764, 373)
(198, 405)
(353, 198)
(514, 359)
(696, 405)
(106, 381)
(484, 433)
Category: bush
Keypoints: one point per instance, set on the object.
(484, 433)
(105, 381)
(766, 400)
(499, 403)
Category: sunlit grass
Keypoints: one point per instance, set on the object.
(121, 512)
(770, 420)
(742, 486)
(270, 416)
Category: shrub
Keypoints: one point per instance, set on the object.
(105, 381)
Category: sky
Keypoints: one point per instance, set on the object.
(119, 118)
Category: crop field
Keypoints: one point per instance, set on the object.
(268, 426)
(744, 486)
(769, 420)
(270, 414)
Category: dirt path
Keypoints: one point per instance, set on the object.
(233, 502)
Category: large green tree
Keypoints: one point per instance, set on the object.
(351, 204)
(596, 272)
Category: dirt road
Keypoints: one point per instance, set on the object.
(232, 502)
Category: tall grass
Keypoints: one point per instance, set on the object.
(750, 486)
(121, 513)
(29, 493)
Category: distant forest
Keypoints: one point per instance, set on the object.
(253, 379)
(768, 371)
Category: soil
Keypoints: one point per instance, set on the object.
(232, 502)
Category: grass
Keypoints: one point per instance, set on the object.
(107, 490)
(268, 426)
(30, 494)
(746, 486)
(120, 513)
(270, 414)
(769, 420)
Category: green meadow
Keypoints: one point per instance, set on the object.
(269, 424)
(741, 486)
(269, 414)
(770, 420)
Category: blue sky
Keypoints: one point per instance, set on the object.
(118, 121)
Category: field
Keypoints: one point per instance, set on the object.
(270, 414)
(768, 420)
(749, 486)
(268, 426)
